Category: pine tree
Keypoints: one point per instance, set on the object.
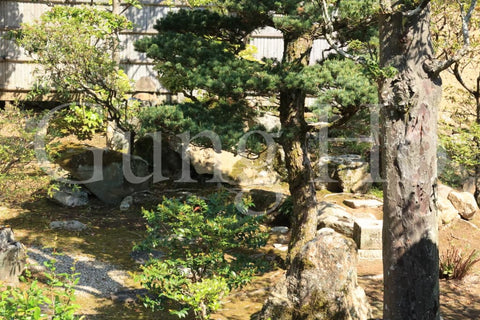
(204, 50)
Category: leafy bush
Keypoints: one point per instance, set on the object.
(18, 178)
(28, 304)
(75, 47)
(206, 258)
(454, 264)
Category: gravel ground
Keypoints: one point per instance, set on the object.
(97, 278)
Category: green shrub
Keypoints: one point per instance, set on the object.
(454, 264)
(58, 298)
(206, 244)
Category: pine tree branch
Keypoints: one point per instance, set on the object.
(329, 30)
(417, 10)
(434, 67)
(458, 76)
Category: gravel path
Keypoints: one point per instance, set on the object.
(97, 278)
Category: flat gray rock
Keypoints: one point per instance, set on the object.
(71, 225)
(362, 203)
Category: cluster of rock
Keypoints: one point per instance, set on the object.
(343, 173)
(454, 204)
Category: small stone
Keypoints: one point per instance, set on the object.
(69, 195)
(71, 225)
(126, 203)
(142, 257)
(279, 229)
(364, 203)
(280, 246)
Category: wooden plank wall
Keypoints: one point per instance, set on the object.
(17, 70)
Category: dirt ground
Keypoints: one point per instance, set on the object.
(112, 232)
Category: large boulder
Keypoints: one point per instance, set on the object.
(321, 284)
(12, 257)
(108, 179)
(335, 217)
(446, 211)
(465, 203)
(346, 173)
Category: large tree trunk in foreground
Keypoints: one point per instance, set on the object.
(409, 103)
(294, 143)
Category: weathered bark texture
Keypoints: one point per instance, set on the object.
(409, 103)
(294, 143)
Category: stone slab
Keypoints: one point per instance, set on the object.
(370, 254)
(362, 203)
(367, 234)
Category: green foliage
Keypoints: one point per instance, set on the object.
(201, 50)
(462, 145)
(18, 178)
(205, 256)
(58, 298)
(75, 48)
(455, 264)
(226, 120)
(80, 120)
(16, 147)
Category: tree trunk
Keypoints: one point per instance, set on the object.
(116, 53)
(409, 123)
(294, 143)
(477, 121)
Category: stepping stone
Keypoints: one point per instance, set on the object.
(366, 203)
(370, 254)
(367, 234)
(71, 225)
(279, 229)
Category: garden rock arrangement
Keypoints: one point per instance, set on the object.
(321, 284)
(108, 183)
(349, 173)
(454, 204)
(12, 257)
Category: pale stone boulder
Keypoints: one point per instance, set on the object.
(335, 217)
(446, 211)
(321, 284)
(465, 203)
(12, 257)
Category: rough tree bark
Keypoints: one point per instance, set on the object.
(294, 143)
(409, 118)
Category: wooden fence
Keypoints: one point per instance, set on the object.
(17, 69)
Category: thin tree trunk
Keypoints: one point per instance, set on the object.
(409, 104)
(294, 143)
(477, 121)
(116, 53)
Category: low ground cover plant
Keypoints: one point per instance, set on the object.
(206, 253)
